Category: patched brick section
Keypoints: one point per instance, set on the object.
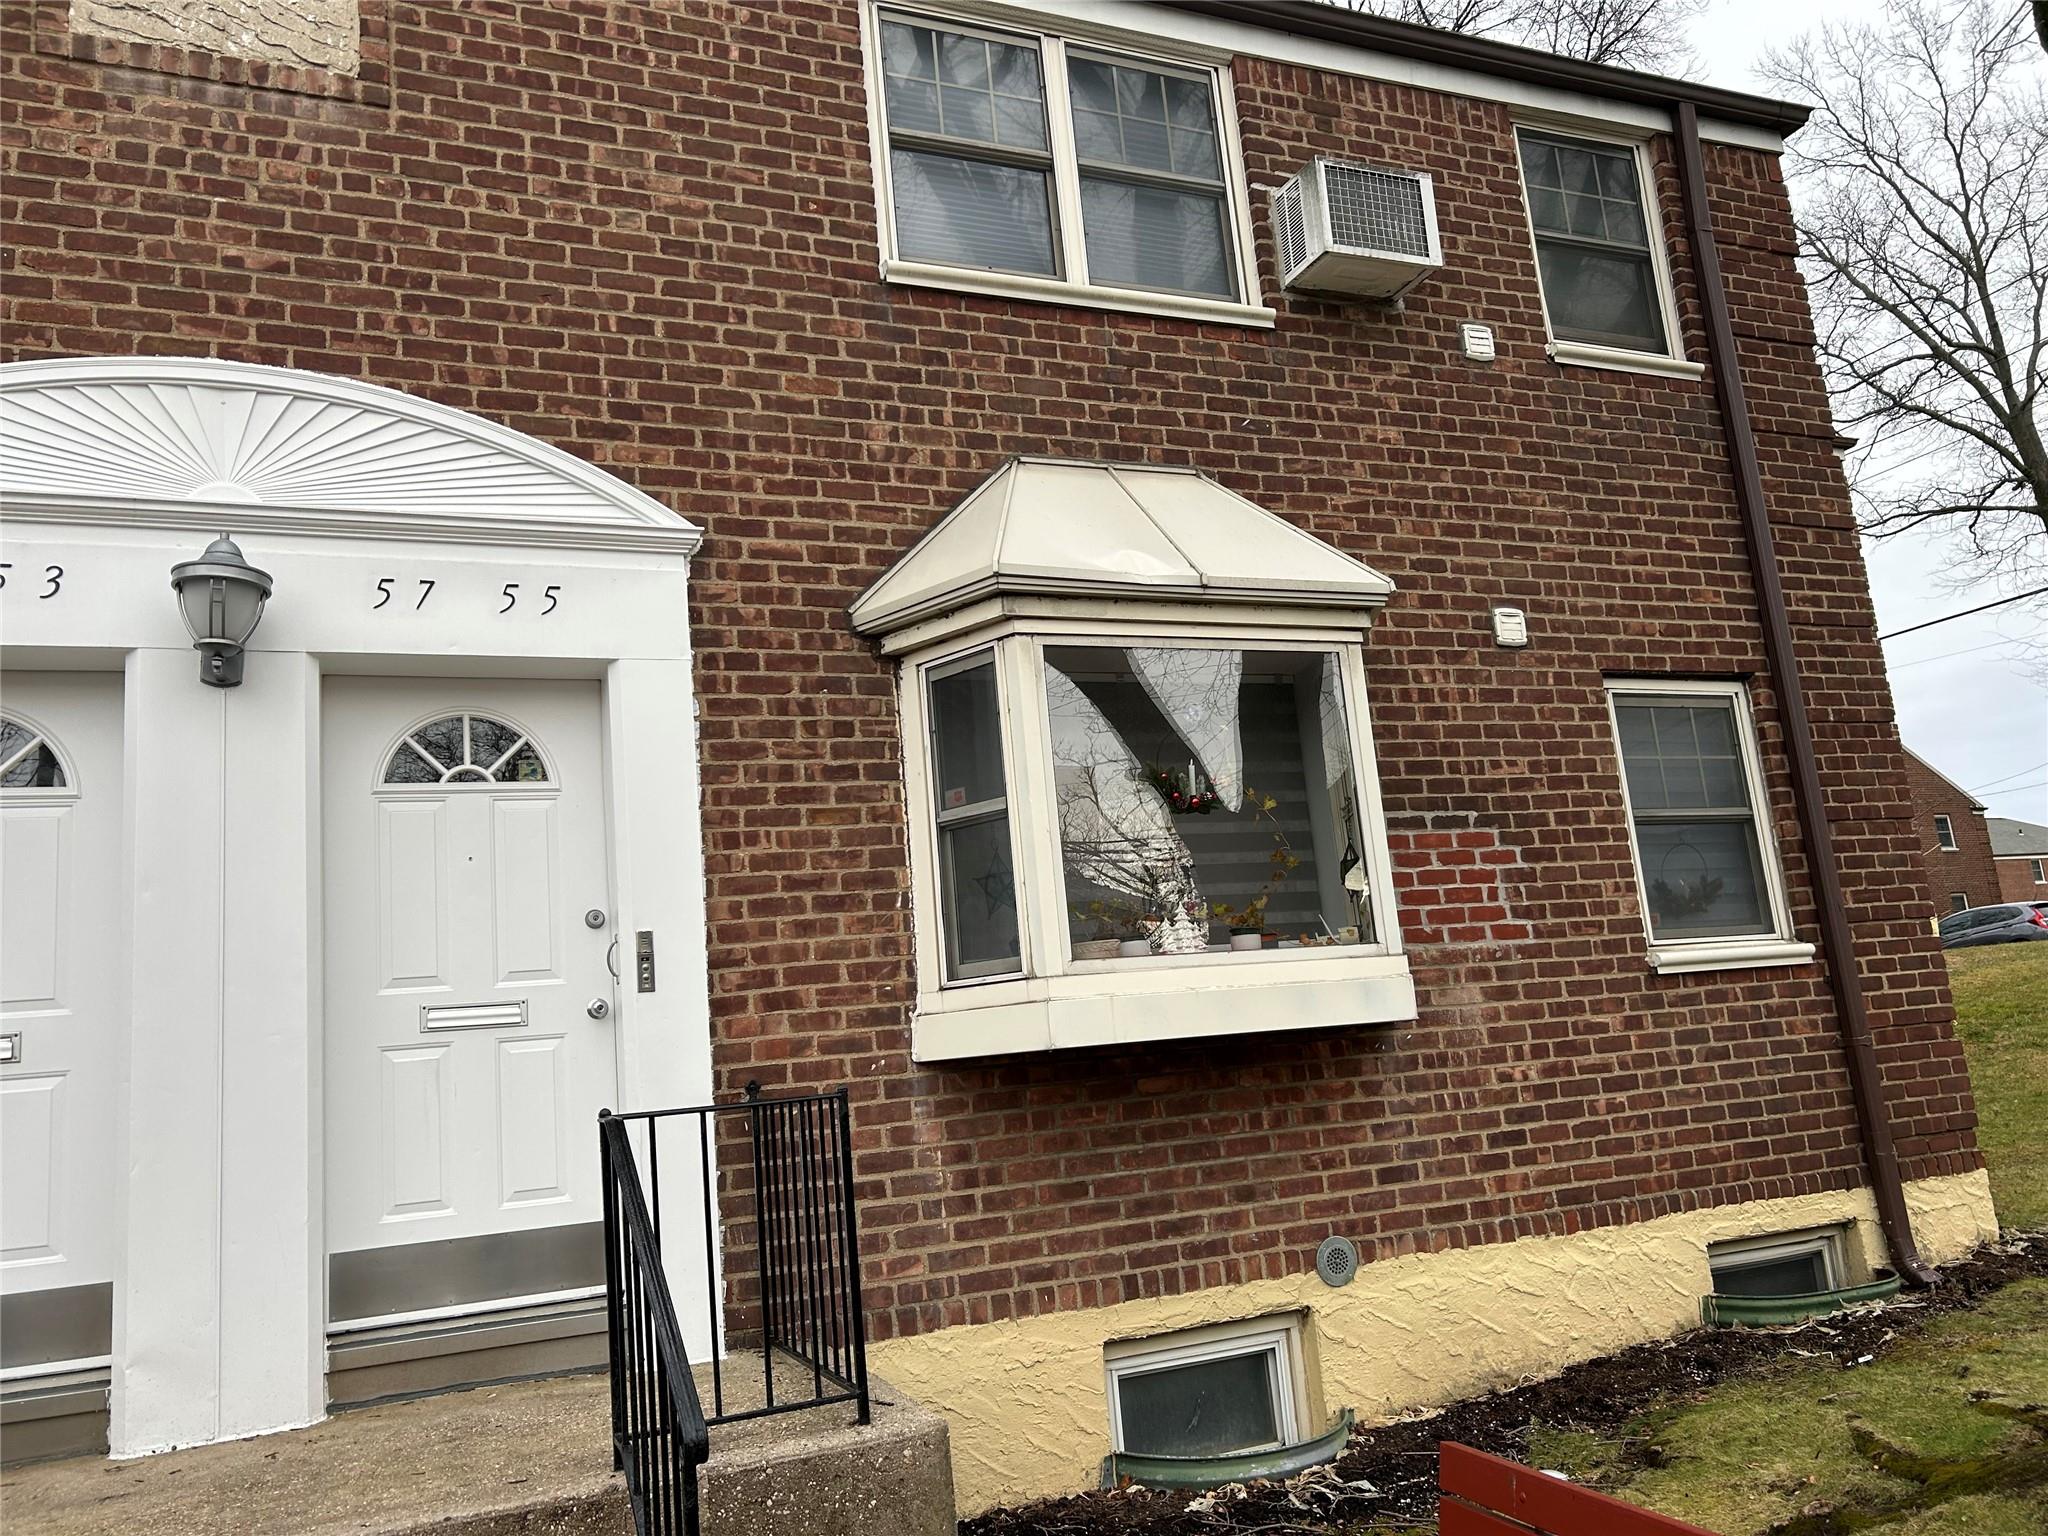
(314, 34)
(1455, 882)
(647, 234)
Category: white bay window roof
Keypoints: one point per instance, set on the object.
(1060, 528)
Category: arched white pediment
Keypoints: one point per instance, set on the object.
(200, 442)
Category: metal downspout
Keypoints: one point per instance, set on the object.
(1844, 978)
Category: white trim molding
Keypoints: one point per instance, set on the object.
(180, 442)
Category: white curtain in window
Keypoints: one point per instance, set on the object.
(1197, 692)
(1115, 830)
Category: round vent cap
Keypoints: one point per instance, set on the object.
(1336, 1260)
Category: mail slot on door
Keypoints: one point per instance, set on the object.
(473, 1015)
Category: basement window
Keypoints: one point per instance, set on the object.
(1207, 1392)
(1785, 1264)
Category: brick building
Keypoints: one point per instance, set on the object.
(1955, 843)
(1457, 635)
(2019, 850)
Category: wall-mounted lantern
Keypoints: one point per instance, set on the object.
(222, 597)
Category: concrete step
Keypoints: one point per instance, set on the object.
(523, 1459)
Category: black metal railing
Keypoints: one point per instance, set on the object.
(774, 1179)
(659, 1437)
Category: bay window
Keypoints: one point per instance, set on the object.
(1706, 866)
(1034, 165)
(1148, 818)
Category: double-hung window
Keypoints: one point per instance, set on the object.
(1599, 253)
(2039, 869)
(1035, 166)
(1945, 835)
(1706, 868)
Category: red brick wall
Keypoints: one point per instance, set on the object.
(648, 235)
(2016, 880)
(1970, 868)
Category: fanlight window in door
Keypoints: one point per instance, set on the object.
(466, 749)
(28, 760)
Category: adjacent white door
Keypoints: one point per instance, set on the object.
(61, 948)
(469, 1001)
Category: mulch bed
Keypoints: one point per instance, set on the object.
(1387, 1476)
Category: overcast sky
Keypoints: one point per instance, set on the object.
(1966, 701)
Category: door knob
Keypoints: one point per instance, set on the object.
(597, 1008)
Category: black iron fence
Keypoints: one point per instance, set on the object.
(774, 1179)
(659, 1437)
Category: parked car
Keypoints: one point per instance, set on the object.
(2011, 922)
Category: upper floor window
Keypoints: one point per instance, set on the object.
(1599, 252)
(1945, 835)
(2039, 867)
(1706, 867)
(1035, 166)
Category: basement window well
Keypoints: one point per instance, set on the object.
(1784, 1277)
(1139, 767)
(1207, 1392)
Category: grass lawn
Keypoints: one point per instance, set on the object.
(1947, 1434)
(2002, 1014)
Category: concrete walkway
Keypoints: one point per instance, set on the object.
(528, 1459)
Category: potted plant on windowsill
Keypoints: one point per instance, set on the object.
(1247, 924)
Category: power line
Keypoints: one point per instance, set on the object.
(2004, 776)
(2017, 788)
(1921, 661)
(1980, 608)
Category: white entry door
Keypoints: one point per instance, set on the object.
(469, 999)
(62, 1022)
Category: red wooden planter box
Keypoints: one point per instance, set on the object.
(1482, 1495)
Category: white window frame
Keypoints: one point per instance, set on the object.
(1072, 285)
(2039, 869)
(1774, 946)
(1958, 901)
(1826, 1241)
(1672, 361)
(1278, 1339)
(1945, 835)
(33, 794)
(1059, 1002)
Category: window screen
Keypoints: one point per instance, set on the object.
(1593, 243)
(1696, 836)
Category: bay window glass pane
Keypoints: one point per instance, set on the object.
(1205, 1408)
(1199, 791)
(977, 880)
(1144, 236)
(1607, 298)
(971, 213)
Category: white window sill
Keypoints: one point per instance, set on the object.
(1162, 1001)
(1578, 354)
(1726, 955)
(1052, 290)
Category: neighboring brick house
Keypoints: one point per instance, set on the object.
(2020, 851)
(1955, 845)
(1459, 631)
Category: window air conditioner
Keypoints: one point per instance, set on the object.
(1350, 229)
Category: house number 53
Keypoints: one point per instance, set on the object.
(424, 589)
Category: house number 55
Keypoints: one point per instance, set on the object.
(511, 596)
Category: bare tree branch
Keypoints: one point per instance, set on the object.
(1630, 34)
(1921, 185)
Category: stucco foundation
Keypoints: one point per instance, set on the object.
(1026, 1397)
(320, 33)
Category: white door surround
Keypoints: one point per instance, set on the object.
(407, 541)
